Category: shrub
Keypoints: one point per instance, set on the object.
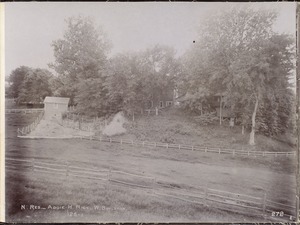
(167, 138)
(64, 115)
(207, 118)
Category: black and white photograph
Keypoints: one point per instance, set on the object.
(150, 112)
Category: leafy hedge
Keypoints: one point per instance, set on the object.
(207, 118)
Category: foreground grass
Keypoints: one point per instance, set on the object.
(103, 202)
(181, 169)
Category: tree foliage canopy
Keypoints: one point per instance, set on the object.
(80, 56)
(16, 79)
(239, 55)
(137, 78)
(30, 85)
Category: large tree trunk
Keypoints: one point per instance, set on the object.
(252, 134)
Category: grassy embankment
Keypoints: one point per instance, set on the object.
(177, 126)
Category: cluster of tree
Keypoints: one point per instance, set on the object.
(99, 85)
(239, 56)
(29, 84)
(137, 78)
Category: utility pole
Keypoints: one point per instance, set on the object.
(221, 110)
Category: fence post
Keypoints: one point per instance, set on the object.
(205, 195)
(264, 202)
(205, 149)
(132, 142)
(297, 208)
(33, 164)
(219, 150)
(179, 146)
(100, 138)
(192, 147)
(143, 143)
(109, 174)
(155, 144)
(233, 152)
(67, 169)
(110, 140)
(263, 153)
(154, 183)
(167, 145)
(121, 141)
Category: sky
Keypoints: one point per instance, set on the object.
(30, 27)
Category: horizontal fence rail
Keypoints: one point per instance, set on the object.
(34, 110)
(71, 119)
(232, 152)
(201, 195)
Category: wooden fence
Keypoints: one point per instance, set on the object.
(25, 111)
(200, 195)
(27, 129)
(85, 126)
(10, 100)
(79, 122)
(232, 152)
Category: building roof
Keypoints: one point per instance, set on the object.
(58, 100)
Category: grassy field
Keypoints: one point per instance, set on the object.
(182, 169)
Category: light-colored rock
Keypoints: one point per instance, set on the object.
(115, 127)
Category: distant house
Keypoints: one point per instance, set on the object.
(55, 106)
(162, 99)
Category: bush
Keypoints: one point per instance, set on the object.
(167, 138)
(64, 115)
(207, 118)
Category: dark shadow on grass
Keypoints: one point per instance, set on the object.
(15, 182)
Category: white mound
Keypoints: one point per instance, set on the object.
(115, 127)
